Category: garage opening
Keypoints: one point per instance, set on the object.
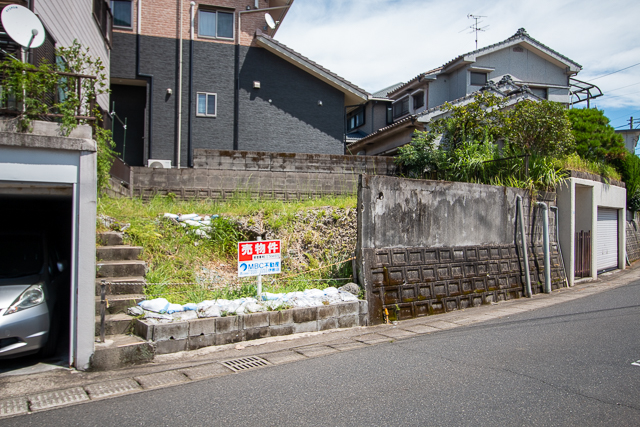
(35, 275)
(607, 244)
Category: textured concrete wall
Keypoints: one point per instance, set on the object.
(633, 238)
(427, 247)
(285, 176)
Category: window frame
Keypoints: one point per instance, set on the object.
(415, 95)
(130, 27)
(206, 104)
(104, 19)
(217, 11)
(476, 73)
(403, 111)
(360, 111)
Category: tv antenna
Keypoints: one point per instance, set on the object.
(476, 26)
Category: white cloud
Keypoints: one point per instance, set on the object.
(376, 43)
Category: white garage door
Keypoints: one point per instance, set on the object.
(607, 250)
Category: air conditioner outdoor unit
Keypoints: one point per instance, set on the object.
(163, 164)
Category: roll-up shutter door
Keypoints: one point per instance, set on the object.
(607, 250)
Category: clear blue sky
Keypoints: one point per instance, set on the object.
(376, 43)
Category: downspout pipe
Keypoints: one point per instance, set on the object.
(190, 115)
(525, 256)
(149, 78)
(545, 247)
(179, 88)
(556, 212)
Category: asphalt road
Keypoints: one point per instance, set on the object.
(568, 364)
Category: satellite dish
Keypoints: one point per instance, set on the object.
(270, 22)
(23, 26)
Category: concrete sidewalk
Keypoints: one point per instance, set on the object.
(22, 394)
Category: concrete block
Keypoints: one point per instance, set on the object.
(325, 324)
(229, 337)
(308, 314)
(363, 320)
(327, 311)
(229, 324)
(363, 306)
(349, 308)
(256, 333)
(283, 317)
(311, 326)
(171, 346)
(201, 341)
(170, 331)
(256, 320)
(279, 330)
(204, 326)
(143, 329)
(349, 321)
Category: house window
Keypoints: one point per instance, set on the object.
(478, 79)
(540, 92)
(401, 108)
(104, 19)
(215, 23)
(418, 100)
(207, 104)
(355, 118)
(122, 13)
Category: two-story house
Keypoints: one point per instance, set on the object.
(209, 74)
(519, 62)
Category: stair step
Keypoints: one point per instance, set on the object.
(114, 324)
(119, 303)
(118, 252)
(120, 268)
(121, 350)
(135, 285)
(110, 238)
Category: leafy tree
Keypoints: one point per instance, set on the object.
(422, 155)
(539, 128)
(595, 139)
(479, 121)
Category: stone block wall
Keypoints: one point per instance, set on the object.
(428, 247)
(633, 238)
(284, 176)
(198, 333)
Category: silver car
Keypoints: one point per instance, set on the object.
(29, 277)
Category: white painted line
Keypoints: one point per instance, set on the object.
(637, 363)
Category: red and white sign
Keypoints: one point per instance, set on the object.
(259, 258)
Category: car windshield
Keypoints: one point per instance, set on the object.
(20, 255)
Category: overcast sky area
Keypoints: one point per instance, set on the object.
(376, 43)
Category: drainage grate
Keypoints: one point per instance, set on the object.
(245, 363)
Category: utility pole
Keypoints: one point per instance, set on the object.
(631, 122)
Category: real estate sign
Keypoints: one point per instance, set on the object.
(259, 258)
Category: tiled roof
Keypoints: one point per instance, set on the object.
(520, 34)
(309, 62)
(399, 123)
(382, 93)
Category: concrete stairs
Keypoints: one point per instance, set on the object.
(118, 265)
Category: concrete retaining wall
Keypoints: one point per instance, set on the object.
(427, 247)
(198, 333)
(284, 176)
(633, 238)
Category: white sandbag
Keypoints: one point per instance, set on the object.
(348, 296)
(190, 306)
(330, 291)
(158, 305)
(188, 216)
(209, 311)
(193, 223)
(151, 315)
(135, 311)
(268, 296)
(201, 233)
(170, 215)
(313, 293)
(183, 316)
(254, 307)
(174, 308)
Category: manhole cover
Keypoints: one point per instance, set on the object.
(245, 363)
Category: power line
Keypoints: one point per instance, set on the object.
(613, 90)
(625, 115)
(605, 75)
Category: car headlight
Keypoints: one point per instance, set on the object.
(34, 295)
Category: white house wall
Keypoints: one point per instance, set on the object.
(68, 20)
(578, 202)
